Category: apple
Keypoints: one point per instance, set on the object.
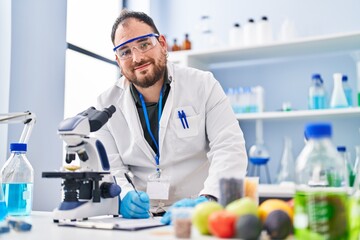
(222, 224)
(243, 206)
(201, 214)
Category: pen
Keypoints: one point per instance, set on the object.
(132, 184)
(184, 116)
(181, 119)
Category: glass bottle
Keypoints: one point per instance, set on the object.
(338, 98)
(186, 44)
(17, 181)
(347, 90)
(175, 46)
(317, 93)
(287, 165)
(354, 202)
(321, 188)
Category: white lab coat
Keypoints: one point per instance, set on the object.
(213, 147)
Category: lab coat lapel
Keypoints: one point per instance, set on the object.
(164, 121)
(128, 108)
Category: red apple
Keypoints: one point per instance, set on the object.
(222, 224)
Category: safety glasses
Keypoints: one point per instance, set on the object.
(142, 43)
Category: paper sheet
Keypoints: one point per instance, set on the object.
(116, 223)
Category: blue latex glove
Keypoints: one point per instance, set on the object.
(186, 202)
(135, 206)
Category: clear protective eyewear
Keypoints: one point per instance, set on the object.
(142, 43)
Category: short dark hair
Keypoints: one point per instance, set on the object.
(140, 16)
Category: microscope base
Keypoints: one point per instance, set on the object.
(108, 206)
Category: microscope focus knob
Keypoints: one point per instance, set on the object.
(109, 190)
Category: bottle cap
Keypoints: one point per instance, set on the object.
(236, 25)
(18, 147)
(344, 78)
(264, 18)
(316, 75)
(251, 20)
(341, 148)
(318, 130)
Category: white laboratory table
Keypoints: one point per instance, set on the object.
(43, 228)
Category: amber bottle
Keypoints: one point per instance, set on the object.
(186, 44)
(175, 46)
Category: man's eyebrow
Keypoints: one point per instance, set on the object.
(136, 41)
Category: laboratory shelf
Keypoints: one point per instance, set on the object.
(329, 44)
(301, 114)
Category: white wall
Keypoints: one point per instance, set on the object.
(5, 46)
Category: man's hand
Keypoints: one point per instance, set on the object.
(186, 202)
(135, 205)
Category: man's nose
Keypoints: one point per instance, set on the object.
(137, 56)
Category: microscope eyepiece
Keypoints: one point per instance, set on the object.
(110, 110)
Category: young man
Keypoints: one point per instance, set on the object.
(173, 128)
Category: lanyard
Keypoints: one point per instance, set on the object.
(157, 156)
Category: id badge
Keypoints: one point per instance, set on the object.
(158, 187)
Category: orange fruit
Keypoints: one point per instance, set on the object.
(270, 205)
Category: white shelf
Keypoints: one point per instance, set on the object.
(301, 114)
(337, 43)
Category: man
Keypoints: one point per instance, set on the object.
(173, 130)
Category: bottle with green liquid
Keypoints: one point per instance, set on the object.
(354, 202)
(321, 192)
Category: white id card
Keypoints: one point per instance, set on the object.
(158, 188)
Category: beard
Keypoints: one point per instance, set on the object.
(150, 76)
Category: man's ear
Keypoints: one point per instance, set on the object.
(162, 41)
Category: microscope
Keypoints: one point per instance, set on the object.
(89, 189)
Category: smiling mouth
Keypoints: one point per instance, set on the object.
(141, 67)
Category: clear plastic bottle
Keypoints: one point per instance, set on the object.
(321, 188)
(264, 31)
(317, 93)
(349, 166)
(249, 34)
(347, 90)
(338, 98)
(17, 181)
(235, 35)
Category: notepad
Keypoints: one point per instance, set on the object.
(115, 223)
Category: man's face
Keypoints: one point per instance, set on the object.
(142, 69)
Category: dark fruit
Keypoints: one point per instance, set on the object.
(248, 227)
(278, 225)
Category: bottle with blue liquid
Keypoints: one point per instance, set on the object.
(17, 178)
(3, 208)
(317, 93)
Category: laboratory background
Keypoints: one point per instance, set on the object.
(56, 57)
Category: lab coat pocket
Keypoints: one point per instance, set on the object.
(186, 122)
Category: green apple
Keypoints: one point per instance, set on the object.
(243, 206)
(201, 214)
